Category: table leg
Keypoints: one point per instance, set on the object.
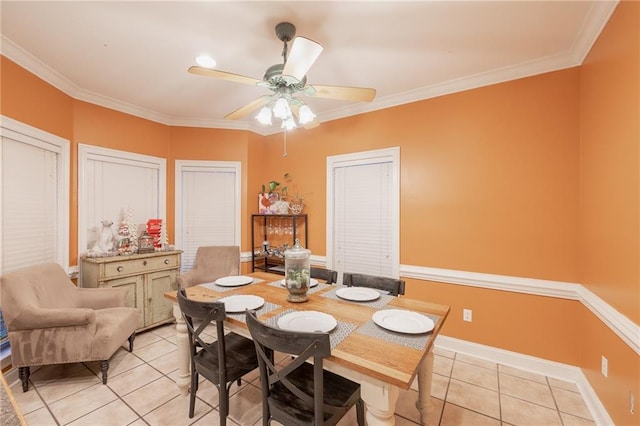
(380, 403)
(425, 374)
(182, 341)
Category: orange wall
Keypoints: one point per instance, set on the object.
(28, 99)
(489, 183)
(610, 204)
(610, 160)
(489, 179)
(544, 327)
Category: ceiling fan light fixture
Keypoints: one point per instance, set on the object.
(288, 124)
(305, 115)
(206, 61)
(264, 116)
(281, 109)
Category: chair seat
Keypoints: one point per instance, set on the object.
(241, 359)
(338, 392)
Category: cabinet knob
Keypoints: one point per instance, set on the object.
(120, 268)
(166, 261)
(144, 263)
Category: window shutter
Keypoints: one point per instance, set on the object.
(209, 208)
(34, 184)
(110, 183)
(362, 219)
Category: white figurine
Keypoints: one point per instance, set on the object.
(105, 239)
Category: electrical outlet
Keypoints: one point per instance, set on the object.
(632, 403)
(467, 315)
(604, 367)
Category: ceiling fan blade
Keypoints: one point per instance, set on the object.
(304, 53)
(358, 94)
(248, 108)
(237, 78)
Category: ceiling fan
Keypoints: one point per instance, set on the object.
(286, 81)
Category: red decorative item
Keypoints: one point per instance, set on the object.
(154, 228)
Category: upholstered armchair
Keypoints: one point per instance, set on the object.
(51, 321)
(212, 262)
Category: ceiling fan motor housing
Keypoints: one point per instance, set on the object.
(276, 80)
(285, 31)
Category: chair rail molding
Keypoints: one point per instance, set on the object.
(622, 326)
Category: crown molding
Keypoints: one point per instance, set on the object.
(595, 21)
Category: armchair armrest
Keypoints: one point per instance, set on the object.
(35, 318)
(188, 279)
(101, 298)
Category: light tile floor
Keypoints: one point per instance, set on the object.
(141, 390)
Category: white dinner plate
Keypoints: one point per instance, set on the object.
(240, 302)
(403, 321)
(307, 321)
(312, 282)
(234, 281)
(358, 294)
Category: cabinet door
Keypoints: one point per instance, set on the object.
(135, 293)
(158, 308)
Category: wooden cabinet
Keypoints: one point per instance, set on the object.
(271, 235)
(145, 276)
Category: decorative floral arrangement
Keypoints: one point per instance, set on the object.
(276, 201)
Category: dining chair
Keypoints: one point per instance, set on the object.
(211, 263)
(223, 360)
(300, 393)
(394, 286)
(328, 275)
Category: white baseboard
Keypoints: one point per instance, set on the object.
(531, 364)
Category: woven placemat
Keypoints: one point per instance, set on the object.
(222, 289)
(414, 341)
(378, 303)
(320, 286)
(267, 307)
(337, 335)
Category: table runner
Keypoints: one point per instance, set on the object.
(320, 286)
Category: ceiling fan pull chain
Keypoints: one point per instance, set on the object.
(284, 146)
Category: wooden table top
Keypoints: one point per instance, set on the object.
(381, 359)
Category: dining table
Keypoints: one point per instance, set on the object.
(383, 358)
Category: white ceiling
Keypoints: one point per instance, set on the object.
(133, 56)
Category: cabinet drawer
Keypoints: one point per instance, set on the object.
(137, 266)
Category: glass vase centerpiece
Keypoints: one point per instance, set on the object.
(297, 269)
